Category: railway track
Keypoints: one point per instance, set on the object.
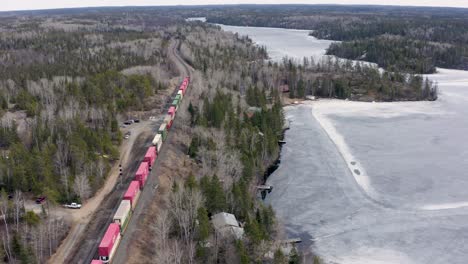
(148, 193)
(94, 231)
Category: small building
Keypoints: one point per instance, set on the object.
(226, 224)
(252, 110)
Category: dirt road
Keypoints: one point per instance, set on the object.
(148, 194)
(90, 222)
(81, 218)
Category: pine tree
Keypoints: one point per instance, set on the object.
(294, 257)
(279, 257)
(204, 225)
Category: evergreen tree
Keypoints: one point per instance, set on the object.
(204, 225)
(214, 194)
(294, 257)
(279, 257)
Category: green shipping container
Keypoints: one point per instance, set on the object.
(175, 102)
(178, 97)
(127, 220)
(163, 131)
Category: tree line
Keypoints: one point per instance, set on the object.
(231, 147)
(410, 39)
(64, 88)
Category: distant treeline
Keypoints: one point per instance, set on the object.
(410, 39)
(397, 53)
(66, 76)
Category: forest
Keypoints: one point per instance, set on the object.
(69, 78)
(66, 85)
(409, 39)
(230, 151)
(395, 52)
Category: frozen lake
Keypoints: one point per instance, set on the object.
(373, 182)
(298, 42)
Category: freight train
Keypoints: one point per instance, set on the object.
(110, 242)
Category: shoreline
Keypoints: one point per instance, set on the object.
(356, 169)
(318, 109)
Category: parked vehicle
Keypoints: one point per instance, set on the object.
(109, 243)
(128, 122)
(73, 206)
(41, 200)
(136, 120)
(96, 261)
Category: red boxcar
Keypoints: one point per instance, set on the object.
(168, 121)
(109, 243)
(142, 174)
(183, 87)
(184, 84)
(150, 156)
(171, 111)
(133, 193)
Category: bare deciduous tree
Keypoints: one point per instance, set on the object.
(4, 215)
(18, 207)
(61, 159)
(81, 186)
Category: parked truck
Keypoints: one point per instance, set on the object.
(109, 243)
(122, 215)
(150, 156)
(142, 174)
(133, 193)
(157, 142)
(96, 261)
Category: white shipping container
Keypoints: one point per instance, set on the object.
(157, 141)
(162, 127)
(167, 119)
(181, 94)
(122, 215)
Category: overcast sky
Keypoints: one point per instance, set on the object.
(7, 5)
